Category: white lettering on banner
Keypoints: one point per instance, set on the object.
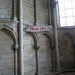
(37, 29)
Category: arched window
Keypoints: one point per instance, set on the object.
(66, 12)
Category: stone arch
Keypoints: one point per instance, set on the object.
(45, 58)
(66, 50)
(34, 36)
(10, 32)
(29, 48)
(49, 37)
(69, 34)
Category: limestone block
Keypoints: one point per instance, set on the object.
(2, 16)
(40, 66)
(0, 72)
(8, 16)
(8, 1)
(30, 73)
(1, 32)
(44, 70)
(10, 63)
(27, 68)
(8, 72)
(7, 55)
(34, 67)
(29, 47)
(2, 5)
(3, 11)
(27, 41)
(8, 48)
(42, 60)
(2, 48)
(45, 65)
(28, 6)
(29, 61)
(2, 64)
(6, 41)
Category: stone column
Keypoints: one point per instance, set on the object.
(53, 5)
(37, 59)
(35, 12)
(21, 37)
(49, 13)
(15, 47)
(14, 10)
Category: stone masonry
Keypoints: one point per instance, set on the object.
(6, 55)
(31, 40)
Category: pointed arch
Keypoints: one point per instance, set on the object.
(34, 37)
(9, 31)
(69, 34)
(48, 35)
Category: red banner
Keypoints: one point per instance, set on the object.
(37, 29)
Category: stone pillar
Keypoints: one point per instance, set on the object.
(74, 50)
(15, 47)
(21, 37)
(49, 13)
(37, 59)
(35, 12)
(53, 5)
(14, 10)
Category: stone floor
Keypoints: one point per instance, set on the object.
(70, 73)
(67, 72)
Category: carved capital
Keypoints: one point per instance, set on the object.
(36, 47)
(15, 47)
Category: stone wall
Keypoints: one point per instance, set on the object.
(29, 55)
(6, 55)
(66, 48)
(5, 9)
(41, 12)
(44, 57)
(45, 62)
(28, 12)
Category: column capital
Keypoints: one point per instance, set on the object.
(15, 46)
(36, 47)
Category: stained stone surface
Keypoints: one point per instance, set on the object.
(7, 72)
(2, 64)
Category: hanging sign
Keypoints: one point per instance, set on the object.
(37, 28)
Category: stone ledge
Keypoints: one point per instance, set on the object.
(6, 20)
